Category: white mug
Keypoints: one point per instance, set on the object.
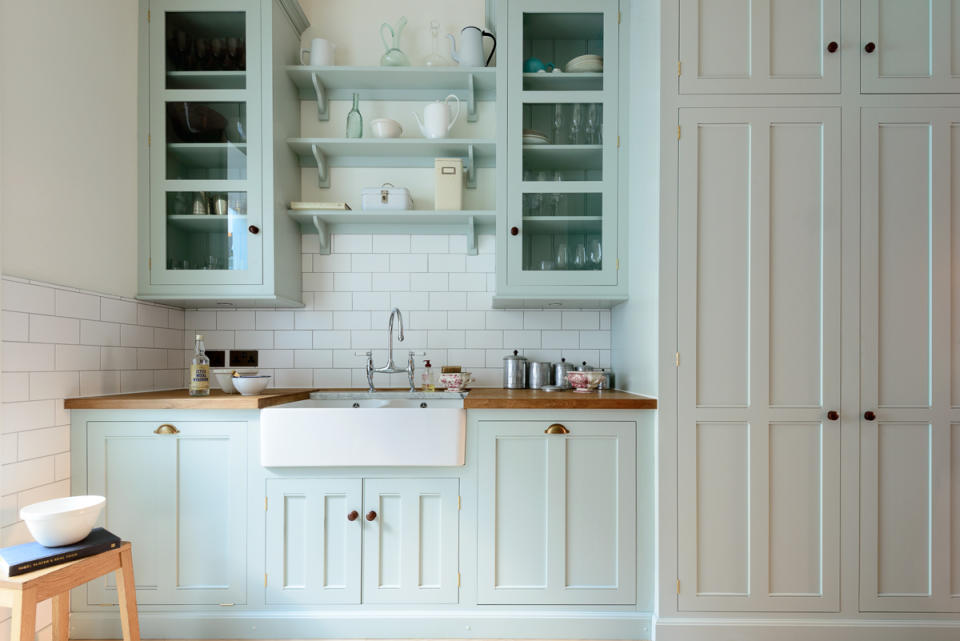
(321, 53)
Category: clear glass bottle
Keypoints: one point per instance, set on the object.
(355, 120)
(426, 379)
(435, 59)
(199, 370)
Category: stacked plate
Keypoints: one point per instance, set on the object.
(584, 64)
(534, 137)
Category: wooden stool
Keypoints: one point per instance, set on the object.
(22, 593)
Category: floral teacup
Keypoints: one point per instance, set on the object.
(455, 381)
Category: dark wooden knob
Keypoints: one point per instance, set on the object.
(869, 415)
(353, 516)
(832, 47)
(371, 515)
(514, 231)
(254, 229)
(833, 415)
(870, 47)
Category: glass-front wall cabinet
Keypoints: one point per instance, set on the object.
(204, 117)
(562, 143)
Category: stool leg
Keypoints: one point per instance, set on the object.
(126, 590)
(23, 626)
(61, 617)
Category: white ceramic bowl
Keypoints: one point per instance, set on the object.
(225, 378)
(250, 385)
(386, 128)
(62, 521)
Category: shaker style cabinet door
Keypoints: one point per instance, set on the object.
(910, 46)
(410, 540)
(180, 499)
(759, 370)
(313, 546)
(910, 361)
(760, 46)
(556, 513)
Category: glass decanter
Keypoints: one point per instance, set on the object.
(355, 120)
(435, 59)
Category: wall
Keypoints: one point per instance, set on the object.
(69, 167)
(57, 343)
(445, 299)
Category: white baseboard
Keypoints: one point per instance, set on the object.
(715, 629)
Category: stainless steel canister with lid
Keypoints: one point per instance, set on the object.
(514, 371)
(560, 373)
(608, 381)
(539, 375)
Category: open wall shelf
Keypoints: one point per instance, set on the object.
(470, 84)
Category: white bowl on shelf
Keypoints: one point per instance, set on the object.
(385, 128)
(250, 385)
(62, 521)
(224, 377)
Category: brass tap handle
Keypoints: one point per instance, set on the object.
(353, 516)
(371, 515)
(166, 428)
(556, 428)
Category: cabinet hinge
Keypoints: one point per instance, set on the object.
(676, 359)
(264, 504)
(678, 132)
(679, 67)
(149, 263)
(459, 503)
(678, 586)
(148, 15)
(148, 140)
(458, 579)
(226, 605)
(618, 264)
(618, 141)
(619, 17)
(264, 579)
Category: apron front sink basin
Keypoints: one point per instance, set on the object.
(334, 429)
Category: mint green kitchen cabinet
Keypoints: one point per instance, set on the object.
(403, 533)
(177, 491)
(216, 173)
(560, 228)
(557, 512)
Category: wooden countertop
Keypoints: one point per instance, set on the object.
(180, 399)
(477, 399)
(531, 399)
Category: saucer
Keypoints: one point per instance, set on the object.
(584, 390)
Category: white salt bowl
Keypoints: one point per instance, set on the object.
(62, 521)
(250, 385)
(225, 378)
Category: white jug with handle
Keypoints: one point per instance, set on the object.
(437, 122)
(471, 47)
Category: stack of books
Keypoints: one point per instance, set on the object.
(29, 557)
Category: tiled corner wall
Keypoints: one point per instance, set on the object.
(444, 295)
(57, 343)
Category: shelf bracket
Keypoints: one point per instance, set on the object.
(323, 110)
(471, 236)
(471, 99)
(323, 172)
(469, 167)
(323, 234)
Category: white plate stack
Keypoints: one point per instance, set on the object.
(588, 63)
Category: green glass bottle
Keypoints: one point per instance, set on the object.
(355, 120)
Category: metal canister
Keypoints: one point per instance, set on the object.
(539, 375)
(560, 373)
(514, 371)
(583, 367)
(608, 381)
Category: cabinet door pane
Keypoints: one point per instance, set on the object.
(313, 549)
(205, 50)
(410, 547)
(759, 310)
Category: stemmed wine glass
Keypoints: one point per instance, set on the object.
(563, 254)
(575, 121)
(590, 128)
(557, 123)
(596, 253)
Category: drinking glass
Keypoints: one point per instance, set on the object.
(558, 124)
(580, 257)
(590, 127)
(596, 253)
(563, 255)
(555, 198)
(576, 118)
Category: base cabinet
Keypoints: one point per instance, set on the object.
(179, 497)
(403, 533)
(556, 513)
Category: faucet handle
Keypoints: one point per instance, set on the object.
(363, 353)
(412, 354)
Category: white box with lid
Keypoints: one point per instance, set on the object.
(448, 174)
(386, 196)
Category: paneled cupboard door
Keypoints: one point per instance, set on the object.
(410, 544)
(759, 46)
(205, 143)
(759, 359)
(566, 538)
(313, 546)
(910, 46)
(910, 361)
(184, 514)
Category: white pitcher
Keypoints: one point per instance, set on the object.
(321, 53)
(471, 47)
(437, 122)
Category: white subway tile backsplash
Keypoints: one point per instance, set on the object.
(239, 319)
(118, 311)
(486, 244)
(274, 319)
(466, 320)
(484, 339)
(197, 319)
(331, 378)
(45, 442)
(294, 377)
(370, 262)
(98, 383)
(429, 282)
(581, 320)
(464, 282)
(427, 320)
(152, 316)
(446, 339)
(391, 282)
(100, 333)
(484, 263)
(479, 300)
(559, 339)
(255, 339)
(408, 263)
(366, 339)
(53, 385)
(409, 301)
(333, 300)
(371, 301)
(448, 300)
(77, 357)
(505, 319)
(136, 336)
(541, 320)
(457, 244)
(331, 339)
(313, 320)
(595, 340)
(61, 466)
(276, 358)
(28, 415)
(16, 326)
(175, 319)
(27, 357)
(351, 320)
(352, 244)
(391, 244)
(16, 386)
(17, 477)
(213, 340)
(447, 263)
(318, 282)
(293, 339)
(42, 493)
(521, 338)
(605, 319)
(466, 357)
(151, 358)
(169, 338)
(351, 282)
(332, 263)
(118, 358)
(27, 297)
(53, 329)
(429, 244)
(137, 381)
(312, 359)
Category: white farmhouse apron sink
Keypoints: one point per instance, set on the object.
(334, 429)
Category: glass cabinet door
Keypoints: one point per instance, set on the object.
(205, 206)
(562, 143)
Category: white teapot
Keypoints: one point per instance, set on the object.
(437, 122)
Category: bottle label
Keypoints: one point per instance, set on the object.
(199, 377)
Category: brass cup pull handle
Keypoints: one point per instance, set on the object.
(371, 515)
(353, 516)
(556, 428)
(166, 428)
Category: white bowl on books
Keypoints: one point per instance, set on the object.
(62, 521)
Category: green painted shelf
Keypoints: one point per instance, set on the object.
(562, 157)
(585, 81)
(571, 224)
(206, 223)
(206, 79)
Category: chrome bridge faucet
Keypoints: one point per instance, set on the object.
(390, 367)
